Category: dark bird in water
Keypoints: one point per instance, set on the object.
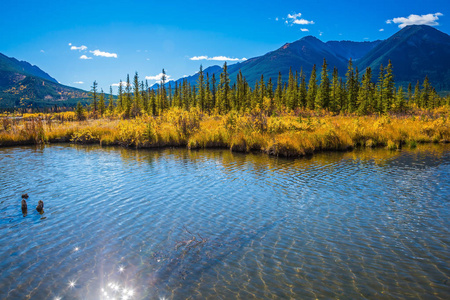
(24, 205)
(24, 196)
(40, 207)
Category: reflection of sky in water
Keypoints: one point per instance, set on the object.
(119, 224)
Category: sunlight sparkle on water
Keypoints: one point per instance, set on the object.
(72, 283)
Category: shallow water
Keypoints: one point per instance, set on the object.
(120, 223)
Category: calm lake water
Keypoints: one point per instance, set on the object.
(120, 223)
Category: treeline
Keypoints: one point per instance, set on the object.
(352, 94)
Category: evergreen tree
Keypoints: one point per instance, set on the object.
(270, 88)
(312, 89)
(302, 92)
(224, 91)
(101, 103)
(388, 88)
(352, 86)
(111, 101)
(417, 95)
(334, 93)
(135, 107)
(291, 96)
(94, 97)
(201, 89)
(279, 92)
(399, 104)
(127, 101)
(79, 112)
(425, 93)
(379, 91)
(366, 93)
(410, 97)
(120, 105)
(323, 94)
(213, 91)
(208, 95)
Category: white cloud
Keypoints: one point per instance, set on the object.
(85, 57)
(42, 51)
(276, 19)
(321, 33)
(70, 44)
(217, 58)
(81, 48)
(124, 84)
(295, 19)
(158, 77)
(302, 22)
(202, 57)
(79, 82)
(103, 54)
(429, 19)
(294, 16)
(304, 29)
(382, 29)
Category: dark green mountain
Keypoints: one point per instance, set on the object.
(353, 50)
(415, 51)
(23, 85)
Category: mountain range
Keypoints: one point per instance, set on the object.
(27, 86)
(415, 51)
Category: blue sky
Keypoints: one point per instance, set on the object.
(78, 42)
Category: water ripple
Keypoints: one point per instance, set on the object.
(121, 223)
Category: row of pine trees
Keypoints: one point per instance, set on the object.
(352, 94)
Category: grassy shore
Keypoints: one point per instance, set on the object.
(289, 134)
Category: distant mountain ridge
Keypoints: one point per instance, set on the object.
(24, 85)
(416, 51)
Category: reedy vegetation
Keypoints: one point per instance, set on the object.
(289, 134)
(295, 119)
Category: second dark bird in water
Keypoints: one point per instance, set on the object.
(40, 206)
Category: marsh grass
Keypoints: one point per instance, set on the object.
(289, 134)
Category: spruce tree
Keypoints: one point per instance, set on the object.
(279, 92)
(94, 96)
(388, 88)
(351, 85)
(323, 94)
(111, 101)
(101, 103)
(201, 89)
(312, 89)
(224, 91)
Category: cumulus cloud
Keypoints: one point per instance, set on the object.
(429, 19)
(85, 57)
(158, 77)
(79, 82)
(103, 54)
(124, 84)
(81, 48)
(382, 29)
(296, 19)
(217, 58)
(294, 16)
(304, 29)
(70, 44)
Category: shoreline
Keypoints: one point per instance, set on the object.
(287, 135)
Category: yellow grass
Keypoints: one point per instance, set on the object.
(286, 135)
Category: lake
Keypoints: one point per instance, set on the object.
(174, 224)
